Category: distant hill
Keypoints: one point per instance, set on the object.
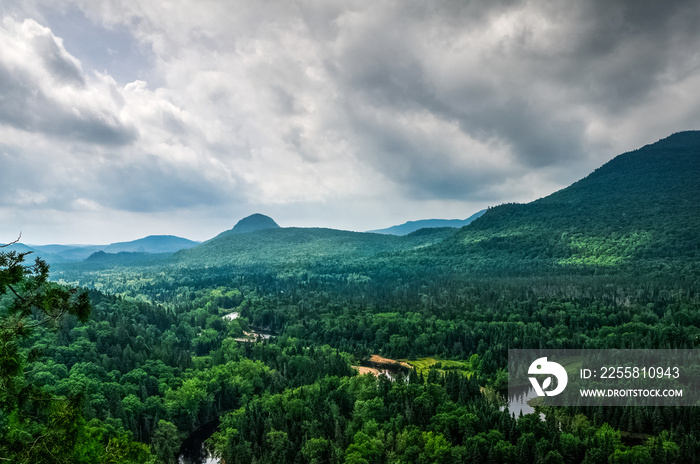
(60, 248)
(301, 246)
(253, 223)
(102, 260)
(643, 205)
(57, 254)
(20, 248)
(66, 253)
(151, 244)
(36, 252)
(412, 226)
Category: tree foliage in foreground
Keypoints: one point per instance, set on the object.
(36, 426)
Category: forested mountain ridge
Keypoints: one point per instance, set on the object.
(413, 226)
(55, 254)
(301, 246)
(152, 244)
(252, 223)
(641, 205)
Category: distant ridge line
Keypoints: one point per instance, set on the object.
(412, 226)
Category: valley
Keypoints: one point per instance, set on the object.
(277, 334)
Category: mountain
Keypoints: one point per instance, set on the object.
(641, 206)
(35, 251)
(151, 244)
(57, 249)
(58, 254)
(20, 248)
(102, 260)
(253, 223)
(66, 253)
(295, 246)
(412, 226)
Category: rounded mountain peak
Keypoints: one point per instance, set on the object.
(254, 222)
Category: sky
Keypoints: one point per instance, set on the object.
(126, 118)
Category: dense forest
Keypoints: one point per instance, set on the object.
(258, 335)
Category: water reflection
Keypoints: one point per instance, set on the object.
(518, 398)
(518, 401)
(193, 450)
(204, 457)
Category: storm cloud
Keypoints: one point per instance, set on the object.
(43, 89)
(348, 114)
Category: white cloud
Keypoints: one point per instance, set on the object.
(44, 90)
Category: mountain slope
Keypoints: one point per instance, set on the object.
(253, 223)
(412, 226)
(151, 244)
(641, 205)
(102, 260)
(63, 254)
(67, 253)
(36, 251)
(301, 247)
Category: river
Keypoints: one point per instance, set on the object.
(193, 450)
(517, 400)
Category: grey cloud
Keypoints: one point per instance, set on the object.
(150, 185)
(535, 134)
(57, 62)
(15, 94)
(30, 180)
(27, 103)
(374, 90)
(619, 52)
(25, 107)
(96, 129)
(284, 101)
(14, 168)
(111, 49)
(608, 56)
(424, 166)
